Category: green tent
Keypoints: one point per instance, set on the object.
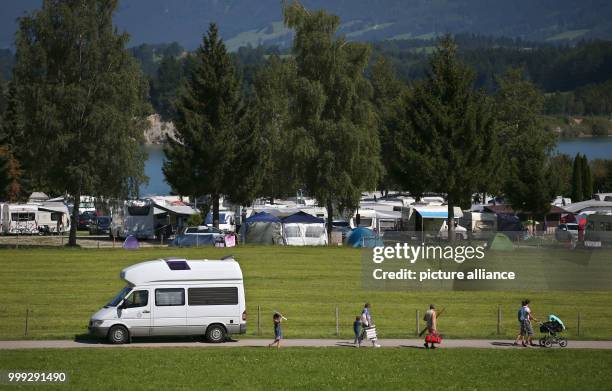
(501, 242)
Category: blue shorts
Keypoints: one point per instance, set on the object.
(278, 332)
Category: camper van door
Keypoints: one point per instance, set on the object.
(135, 311)
(169, 311)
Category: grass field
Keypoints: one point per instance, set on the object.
(319, 368)
(64, 287)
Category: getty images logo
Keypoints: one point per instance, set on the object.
(413, 253)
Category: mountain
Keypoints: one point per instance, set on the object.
(243, 22)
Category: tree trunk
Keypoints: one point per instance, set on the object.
(74, 221)
(451, 220)
(215, 210)
(330, 220)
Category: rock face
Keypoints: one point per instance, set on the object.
(158, 130)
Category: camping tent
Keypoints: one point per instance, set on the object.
(501, 242)
(303, 229)
(262, 228)
(363, 237)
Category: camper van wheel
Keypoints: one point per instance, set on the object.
(215, 334)
(118, 335)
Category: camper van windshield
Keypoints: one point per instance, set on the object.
(115, 302)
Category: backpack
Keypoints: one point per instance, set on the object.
(521, 314)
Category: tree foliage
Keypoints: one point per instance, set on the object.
(526, 144)
(447, 132)
(78, 103)
(209, 112)
(331, 108)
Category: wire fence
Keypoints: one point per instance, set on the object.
(499, 322)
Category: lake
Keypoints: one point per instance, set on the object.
(593, 148)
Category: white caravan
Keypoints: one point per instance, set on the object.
(19, 219)
(175, 297)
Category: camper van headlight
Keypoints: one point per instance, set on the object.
(97, 323)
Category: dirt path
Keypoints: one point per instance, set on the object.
(386, 343)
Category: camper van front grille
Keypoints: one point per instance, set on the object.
(213, 296)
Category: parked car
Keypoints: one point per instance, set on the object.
(460, 232)
(198, 236)
(85, 220)
(341, 226)
(100, 225)
(566, 232)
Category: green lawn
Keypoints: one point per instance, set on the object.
(64, 287)
(319, 368)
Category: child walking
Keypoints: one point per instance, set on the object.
(278, 332)
(357, 331)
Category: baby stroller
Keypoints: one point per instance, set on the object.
(551, 329)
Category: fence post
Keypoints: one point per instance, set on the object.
(418, 325)
(26, 322)
(578, 331)
(499, 318)
(258, 319)
(337, 325)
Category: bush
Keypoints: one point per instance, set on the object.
(600, 128)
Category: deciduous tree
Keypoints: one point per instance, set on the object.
(78, 103)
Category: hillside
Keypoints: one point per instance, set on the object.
(244, 22)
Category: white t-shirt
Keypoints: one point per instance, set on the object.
(526, 312)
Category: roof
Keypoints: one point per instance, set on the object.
(302, 217)
(263, 217)
(437, 211)
(507, 209)
(38, 196)
(159, 271)
(54, 207)
(178, 208)
(577, 207)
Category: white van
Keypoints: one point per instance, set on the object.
(175, 297)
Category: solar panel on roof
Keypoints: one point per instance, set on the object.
(178, 265)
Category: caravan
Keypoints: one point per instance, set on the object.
(175, 297)
(19, 219)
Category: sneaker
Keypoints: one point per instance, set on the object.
(376, 345)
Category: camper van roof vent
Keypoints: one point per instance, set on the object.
(178, 265)
(228, 258)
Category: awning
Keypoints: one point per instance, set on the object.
(437, 212)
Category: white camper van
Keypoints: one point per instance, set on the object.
(175, 297)
(134, 217)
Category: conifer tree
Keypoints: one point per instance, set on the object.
(209, 115)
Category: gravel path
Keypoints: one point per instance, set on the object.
(386, 343)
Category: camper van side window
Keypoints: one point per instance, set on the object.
(213, 296)
(137, 299)
(169, 297)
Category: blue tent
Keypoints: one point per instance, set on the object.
(263, 217)
(363, 237)
(302, 218)
(262, 228)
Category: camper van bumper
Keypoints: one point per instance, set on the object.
(100, 332)
(235, 328)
